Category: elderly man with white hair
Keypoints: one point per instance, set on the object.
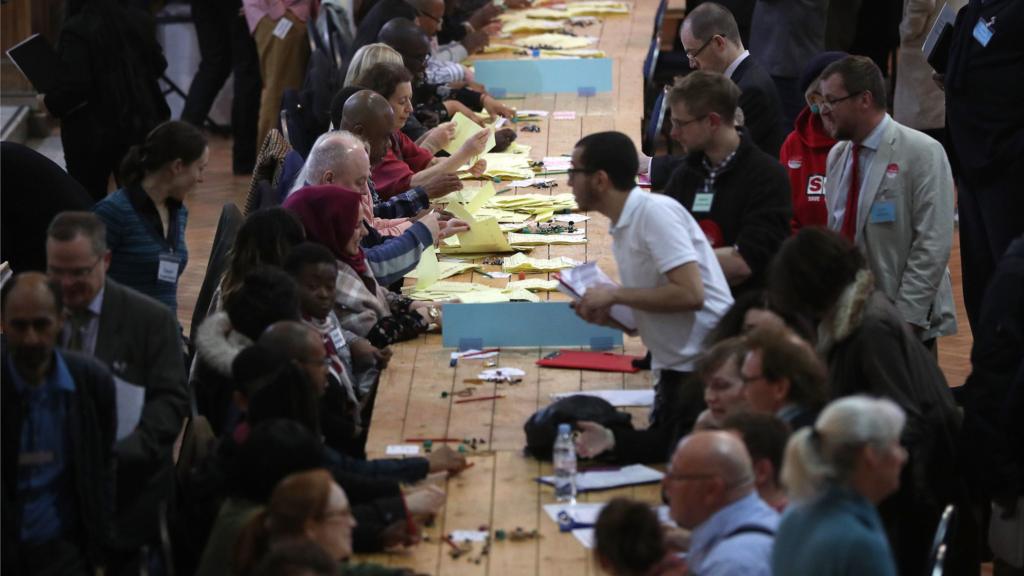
(710, 490)
(399, 229)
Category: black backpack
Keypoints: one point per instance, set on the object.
(542, 427)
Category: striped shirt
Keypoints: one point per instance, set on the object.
(136, 247)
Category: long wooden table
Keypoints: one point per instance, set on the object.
(500, 491)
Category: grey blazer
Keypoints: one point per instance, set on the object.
(139, 340)
(904, 224)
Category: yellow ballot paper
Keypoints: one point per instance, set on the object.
(555, 41)
(483, 195)
(542, 239)
(535, 285)
(428, 271)
(530, 25)
(464, 130)
(523, 263)
(483, 236)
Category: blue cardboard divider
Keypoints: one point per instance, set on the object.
(582, 76)
(521, 324)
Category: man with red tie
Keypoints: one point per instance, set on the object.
(889, 190)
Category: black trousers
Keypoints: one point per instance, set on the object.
(226, 46)
(991, 216)
(58, 557)
(91, 153)
(678, 401)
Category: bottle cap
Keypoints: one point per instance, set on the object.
(564, 428)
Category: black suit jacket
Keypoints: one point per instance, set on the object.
(762, 118)
(762, 110)
(139, 340)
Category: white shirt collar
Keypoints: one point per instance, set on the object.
(736, 63)
(874, 139)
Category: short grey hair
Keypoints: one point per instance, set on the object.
(328, 153)
(67, 226)
(826, 453)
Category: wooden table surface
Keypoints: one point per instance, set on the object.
(500, 490)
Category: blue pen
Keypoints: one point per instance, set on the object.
(566, 523)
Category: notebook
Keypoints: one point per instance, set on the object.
(38, 62)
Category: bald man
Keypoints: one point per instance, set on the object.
(710, 490)
(59, 424)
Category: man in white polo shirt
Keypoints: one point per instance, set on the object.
(670, 278)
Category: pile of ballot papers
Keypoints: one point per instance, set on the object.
(553, 41)
(520, 262)
(504, 166)
(470, 293)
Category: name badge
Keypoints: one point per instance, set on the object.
(702, 202)
(982, 32)
(168, 269)
(882, 212)
(337, 339)
(282, 28)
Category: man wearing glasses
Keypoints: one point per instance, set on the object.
(139, 340)
(737, 193)
(710, 490)
(712, 42)
(889, 190)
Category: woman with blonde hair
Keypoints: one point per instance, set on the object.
(837, 472)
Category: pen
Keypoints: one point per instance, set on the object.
(479, 399)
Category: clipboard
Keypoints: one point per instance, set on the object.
(587, 360)
(37, 60)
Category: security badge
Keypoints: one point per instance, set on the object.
(983, 31)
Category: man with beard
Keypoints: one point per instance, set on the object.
(59, 422)
(889, 190)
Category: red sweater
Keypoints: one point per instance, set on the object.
(403, 159)
(804, 154)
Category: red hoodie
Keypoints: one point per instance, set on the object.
(805, 155)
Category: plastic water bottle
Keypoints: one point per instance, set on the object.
(564, 459)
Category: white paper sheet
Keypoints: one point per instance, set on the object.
(617, 398)
(130, 400)
(606, 479)
(469, 536)
(402, 450)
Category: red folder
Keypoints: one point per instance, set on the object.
(585, 360)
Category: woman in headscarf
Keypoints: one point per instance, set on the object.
(331, 216)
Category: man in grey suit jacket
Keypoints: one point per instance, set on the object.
(889, 189)
(139, 340)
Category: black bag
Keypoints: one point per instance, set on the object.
(542, 427)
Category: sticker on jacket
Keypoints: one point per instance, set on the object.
(816, 185)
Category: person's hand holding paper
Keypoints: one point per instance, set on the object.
(468, 137)
(442, 184)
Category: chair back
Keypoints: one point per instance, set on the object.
(655, 123)
(651, 61)
(938, 542)
(940, 559)
(227, 227)
(659, 17)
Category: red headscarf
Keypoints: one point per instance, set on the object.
(330, 215)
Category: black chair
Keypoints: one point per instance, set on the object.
(659, 17)
(655, 123)
(938, 549)
(651, 61)
(227, 227)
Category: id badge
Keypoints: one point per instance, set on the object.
(882, 212)
(982, 32)
(702, 202)
(282, 28)
(168, 270)
(337, 339)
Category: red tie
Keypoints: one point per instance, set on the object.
(849, 229)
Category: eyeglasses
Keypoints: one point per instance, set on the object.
(680, 124)
(431, 16)
(828, 103)
(73, 273)
(574, 171)
(692, 56)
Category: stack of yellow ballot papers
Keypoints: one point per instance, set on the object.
(471, 293)
(499, 48)
(553, 41)
(430, 270)
(504, 166)
(522, 263)
(596, 7)
(535, 285)
(517, 240)
(538, 205)
(521, 25)
(573, 53)
(538, 13)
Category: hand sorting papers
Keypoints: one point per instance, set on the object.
(575, 283)
(608, 479)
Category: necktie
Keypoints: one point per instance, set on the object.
(78, 321)
(849, 228)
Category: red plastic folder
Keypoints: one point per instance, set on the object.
(585, 360)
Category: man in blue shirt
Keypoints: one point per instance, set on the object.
(59, 422)
(710, 489)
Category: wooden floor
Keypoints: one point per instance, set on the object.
(499, 491)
